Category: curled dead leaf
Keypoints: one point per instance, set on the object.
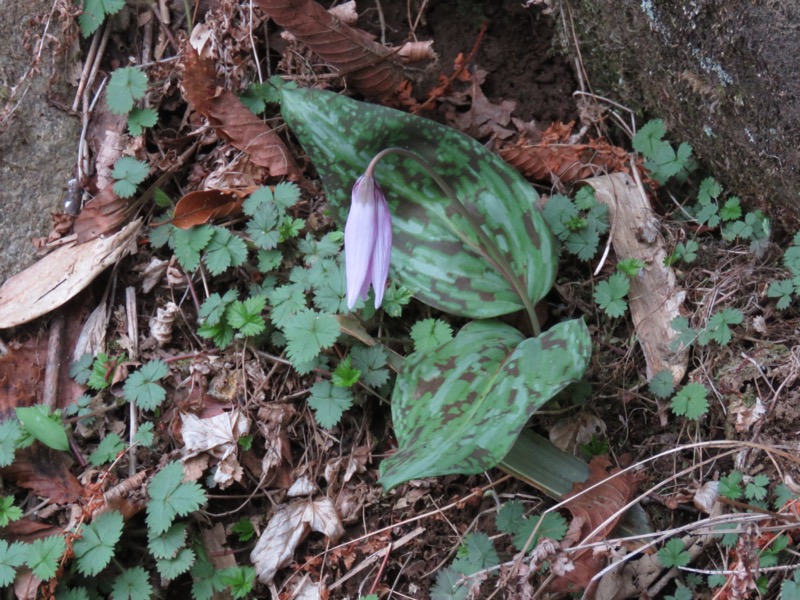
(201, 206)
(233, 120)
(287, 528)
(368, 66)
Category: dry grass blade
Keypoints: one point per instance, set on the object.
(369, 67)
(233, 120)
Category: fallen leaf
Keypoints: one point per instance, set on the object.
(22, 374)
(59, 276)
(706, 497)
(217, 436)
(288, 527)
(308, 590)
(202, 206)
(46, 473)
(103, 213)
(747, 416)
(302, 487)
(369, 67)
(570, 433)
(233, 120)
(609, 493)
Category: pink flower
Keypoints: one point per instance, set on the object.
(367, 242)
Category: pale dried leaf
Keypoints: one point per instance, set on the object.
(92, 338)
(161, 324)
(747, 416)
(59, 276)
(570, 433)
(308, 590)
(152, 273)
(706, 496)
(217, 436)
(302, 487)
(287, 529)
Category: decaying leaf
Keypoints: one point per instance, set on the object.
(288, 527)
(59, 276)
(217, 436)
(368, 67)
(161, 324)
(103, 213)
(570, 433)
(202, 206)
(46, 473)
(554, 157)
(233, 120)
(594, 508)
(655, 297)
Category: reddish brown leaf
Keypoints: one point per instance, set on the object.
(103, 213)
(592, 509)
(233, 120)
(45, 472)
(21, 376)
(370, 68)
(26, 530)
(202, 206)
(554, 158)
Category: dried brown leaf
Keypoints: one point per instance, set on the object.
(594, 508)
(202, 206)
(103, 213)
(554, 158)
(233, 120)
(46, 473)
(370, 68)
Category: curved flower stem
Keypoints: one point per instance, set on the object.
(494, 254)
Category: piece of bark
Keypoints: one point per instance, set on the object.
(654, 297)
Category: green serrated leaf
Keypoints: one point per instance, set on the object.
(730, 485)
(662, 384)
(43, 426)
(550, 525)
(81, 369)
(287, 301)
(610, 295)
(246, 316)
(649, 136)
(436, 253)
(370, 362)
(11, 557)
(44, 555)
(308, 333)
(329, 402)
(95, 12)
(8, 511)
(558, 212)
(129, 172)
(477, 552)
(286, 194)
(107, 450)
(224, 250)
(133, 584)
(345, 375)
(673, 554)
(429, 334)
(10, 435)
(731, 210)
(783, 290)
(510, 517)
(125, 86)
(170, 568)
(691, 401)
(167, 544)
(187, 244)
(450, 585)
(239, 580)
(142, 388)
(95, 548)
(460, 409)
(583, 243)
(213, 309)
(139, 118)
(171, 497)
(144, 435)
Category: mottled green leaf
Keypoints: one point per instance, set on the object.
(460, 409)
(436, 251)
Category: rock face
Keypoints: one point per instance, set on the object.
(39, 141)
(722, 73)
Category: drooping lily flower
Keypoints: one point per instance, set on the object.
(367, 241)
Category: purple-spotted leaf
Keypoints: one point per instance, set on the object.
(437, 252)
(460, 408)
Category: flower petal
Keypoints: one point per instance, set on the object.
(359, 239)
(382, 252)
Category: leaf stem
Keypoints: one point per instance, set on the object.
(494, 254)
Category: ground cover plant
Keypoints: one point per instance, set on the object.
(338, 346)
